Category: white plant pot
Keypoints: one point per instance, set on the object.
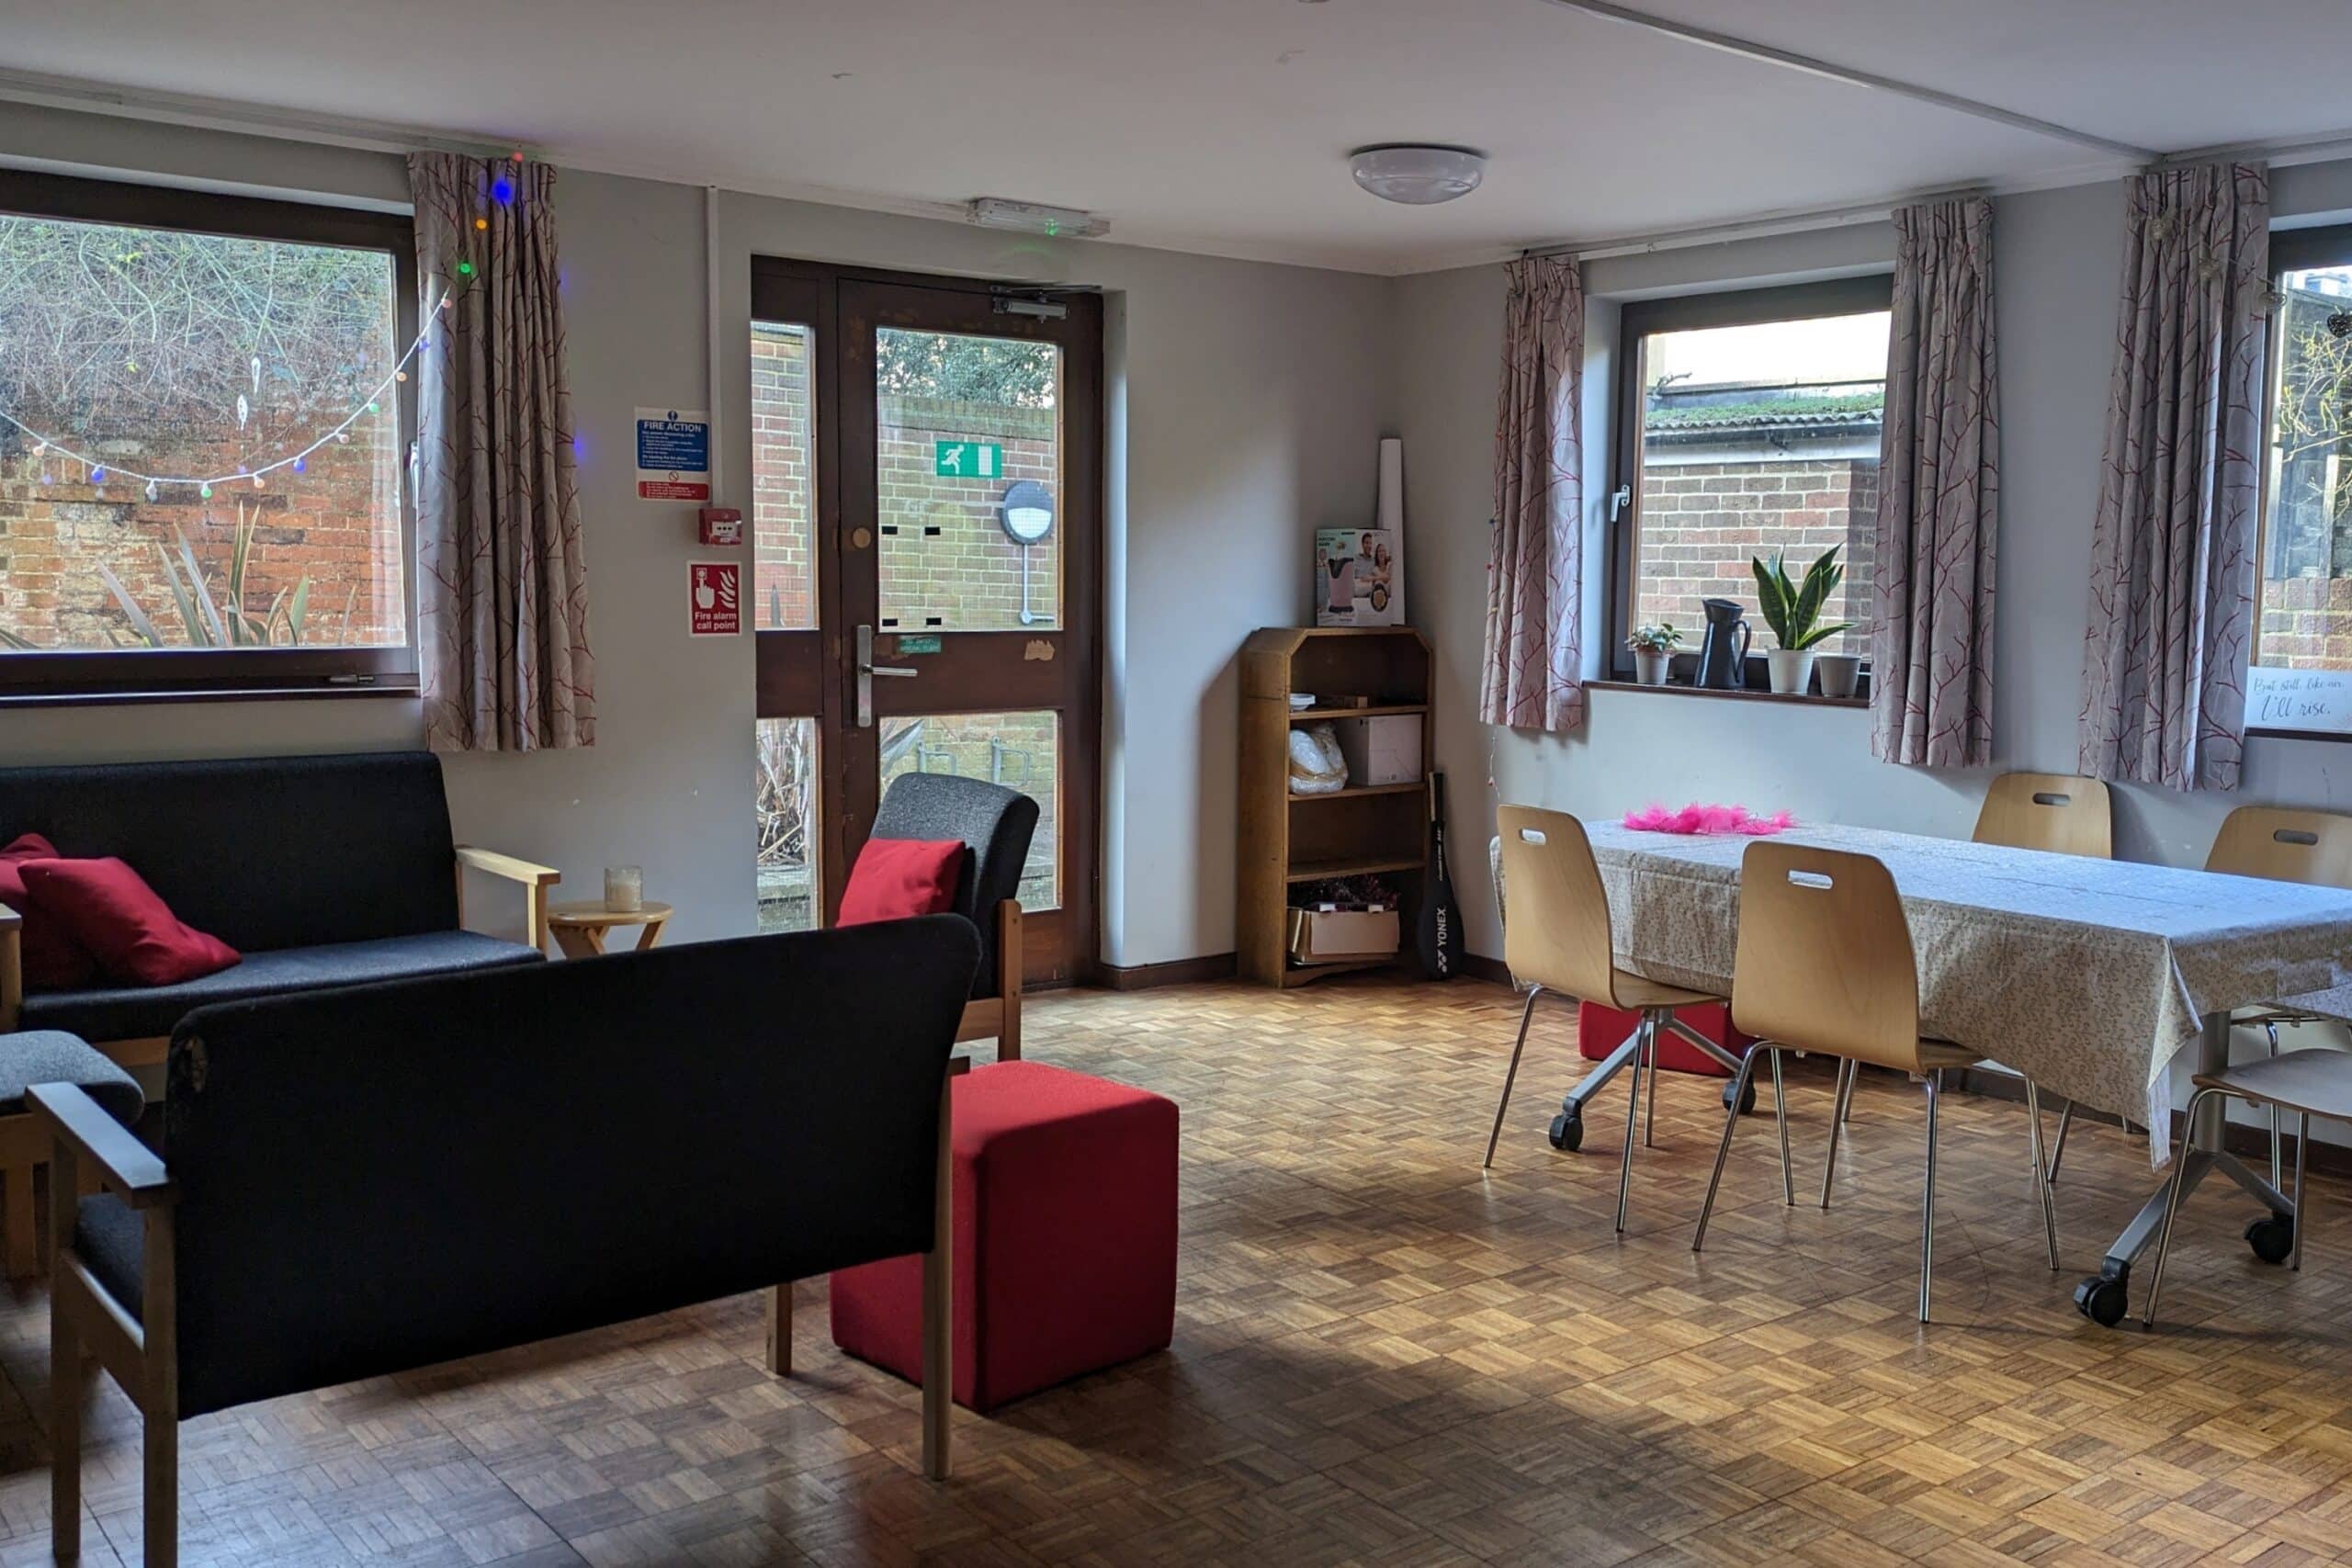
(1650, 669)
(1840, 673)
(1791, 673)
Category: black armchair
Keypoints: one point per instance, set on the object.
(451, 1187)
(996, 824)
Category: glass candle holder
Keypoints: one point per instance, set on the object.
(624, 888)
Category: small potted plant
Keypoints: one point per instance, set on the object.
(1792, 611)
(1654, 648)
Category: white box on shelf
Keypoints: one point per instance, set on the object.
(1382, 750)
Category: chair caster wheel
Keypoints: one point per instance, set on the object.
(2103, 1299)
(2272, 1237)
(1568, 1131)
(1747, 1099)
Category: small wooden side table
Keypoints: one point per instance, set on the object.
(582, 929)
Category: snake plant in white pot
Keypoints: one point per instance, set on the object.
(1792, 611)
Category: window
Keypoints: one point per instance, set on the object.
(1747, 424)
(2302, 681)
(204, 414)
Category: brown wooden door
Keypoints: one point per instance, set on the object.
(927, 520)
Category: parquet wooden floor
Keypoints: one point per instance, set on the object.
(1383, 1357)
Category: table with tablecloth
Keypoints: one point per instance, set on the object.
(2086, 975)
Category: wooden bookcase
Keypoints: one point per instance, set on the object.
(1288, 839)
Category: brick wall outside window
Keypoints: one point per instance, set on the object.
(1702, 523)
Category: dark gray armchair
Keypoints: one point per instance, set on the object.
(996, 824)
(357, 1182)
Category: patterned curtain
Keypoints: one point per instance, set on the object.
(502, 587)
(1535, 576)
(1939, 509)
(2172, 551)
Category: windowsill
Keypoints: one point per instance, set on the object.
(1743, 694)
(22, 700)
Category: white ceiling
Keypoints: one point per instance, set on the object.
(1223, 125)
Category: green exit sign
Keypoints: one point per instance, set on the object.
(966, 459)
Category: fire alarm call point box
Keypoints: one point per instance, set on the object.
(722, 526)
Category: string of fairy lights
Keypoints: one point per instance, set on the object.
(101, 473)
(49, 449)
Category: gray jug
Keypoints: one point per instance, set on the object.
(1723, 655)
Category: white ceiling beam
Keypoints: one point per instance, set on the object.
(1790, 61)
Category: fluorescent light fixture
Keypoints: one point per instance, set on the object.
(1418, 176)
(1029, 218)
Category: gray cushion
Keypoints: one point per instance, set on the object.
(51, 1055)
(112, 1238)
(143, 1012)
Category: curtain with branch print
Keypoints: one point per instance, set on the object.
(502, 585)
(1939, 508)
(2173, 546)
(1536, 575)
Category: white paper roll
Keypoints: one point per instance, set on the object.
(1392, 484)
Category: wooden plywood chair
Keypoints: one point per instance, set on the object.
(2281, 845)
(2309, 1083)
(1824, 964)
(2057, 812)
(2063, 814)
(1558, 938)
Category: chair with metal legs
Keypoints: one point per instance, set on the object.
(2309, 847)
(1558, 938)
(2309, 1083)
(2063, 814)
(1825, 964)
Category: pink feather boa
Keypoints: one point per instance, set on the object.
(1696, 820)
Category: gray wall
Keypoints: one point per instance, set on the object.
(2057, 260)
(1244, 402)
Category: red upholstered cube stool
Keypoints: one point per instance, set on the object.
(1064, 1238)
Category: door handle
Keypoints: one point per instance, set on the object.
(867, 670)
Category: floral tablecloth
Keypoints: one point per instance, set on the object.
(2086, 975)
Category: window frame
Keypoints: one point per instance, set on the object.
(1638, 319)
(2291, 250)
(97, 676)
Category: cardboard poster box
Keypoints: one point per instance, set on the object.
(1382, 750)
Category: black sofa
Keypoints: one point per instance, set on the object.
(320, 871)
(500, 1158)
(996, 825)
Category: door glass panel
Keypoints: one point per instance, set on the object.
(967, 477)
(785, 805)
(1019, 750)
(784, 476)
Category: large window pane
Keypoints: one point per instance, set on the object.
(967, 463)
(1019, 750)
(136, 363)
(2307, 545)
(784, 478)
(785, 808)
(1757, 438)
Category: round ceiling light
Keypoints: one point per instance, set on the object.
(1418, 176)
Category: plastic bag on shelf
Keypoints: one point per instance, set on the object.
(1317, 766)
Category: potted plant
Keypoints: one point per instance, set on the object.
(1792, 611)
(1654, 648)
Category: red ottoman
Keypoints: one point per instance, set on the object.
(1064, 1238)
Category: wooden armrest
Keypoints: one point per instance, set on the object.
(129, 1167)
(508, 866)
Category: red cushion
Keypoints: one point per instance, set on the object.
(1064, 1238)
(111, 911)
(896, 879)
(52, 960)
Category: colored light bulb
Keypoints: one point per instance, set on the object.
(300, 463)
(205, 491)
(98, 475)
(465, 269)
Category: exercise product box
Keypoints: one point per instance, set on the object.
(1357, 580)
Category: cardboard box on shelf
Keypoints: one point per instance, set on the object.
(1340, 936)
(1356, 580)
(1382, 750)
